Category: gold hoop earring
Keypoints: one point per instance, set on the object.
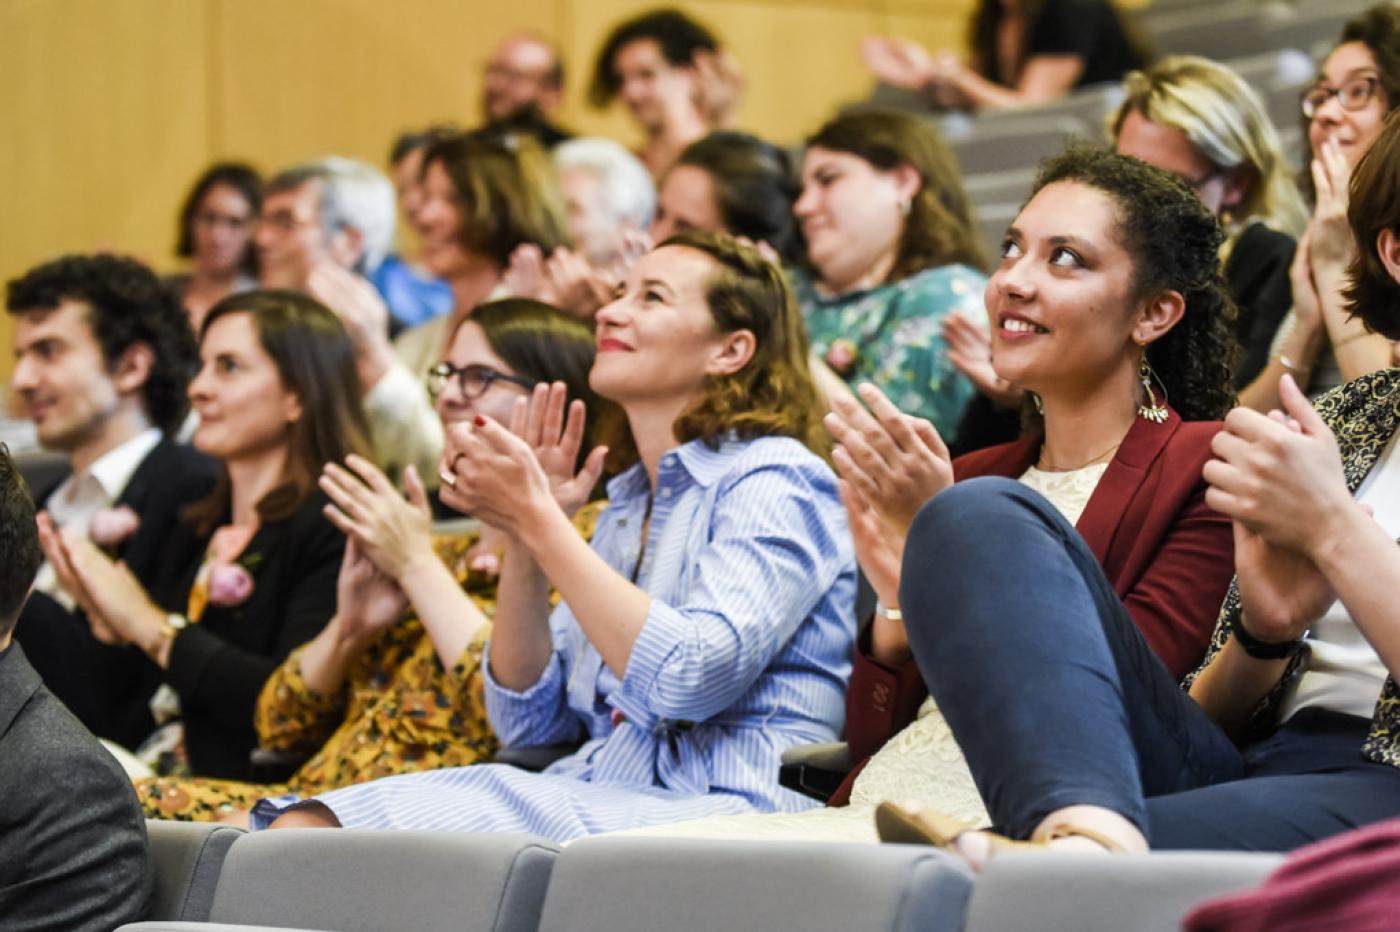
(1151, 410)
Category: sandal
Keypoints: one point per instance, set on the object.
(899, 825)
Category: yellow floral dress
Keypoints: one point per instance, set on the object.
(398, 712)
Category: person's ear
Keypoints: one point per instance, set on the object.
(133, 368)
(346, 246)
(1158, 314)
(732, 353)
(291, 407)
(907, 182)
(1388, 248)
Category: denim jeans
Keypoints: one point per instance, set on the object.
(1057, 700)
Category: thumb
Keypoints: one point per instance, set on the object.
(1300, 409)
(413, 485)
(593, 466)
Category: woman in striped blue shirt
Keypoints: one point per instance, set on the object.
(709, 624)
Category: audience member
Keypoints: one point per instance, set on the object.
(411, 293)
(610, 200)
(103, 354)
(522, 88)
(73, 849)
(735, 183)
(1281, 741)
(1023, 52)
(216, 235)
(1101, 311)
(250, 572)
(378, 692)
(707, 627)
(676, 80)
(1358, 85)
(1203, 123)
(892, 251)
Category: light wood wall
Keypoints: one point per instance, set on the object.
(110, 108)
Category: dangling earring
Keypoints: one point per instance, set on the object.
(1151, 410)
(905, 205)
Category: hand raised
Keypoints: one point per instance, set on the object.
(970, 350)
(556, 442)
(896, 461)
(368, 600)
(394, 532)
(1282, 592)
(897, 62)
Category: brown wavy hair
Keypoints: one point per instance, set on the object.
(314, 359)
(939, 229)
(1374, 206)
(773, 395)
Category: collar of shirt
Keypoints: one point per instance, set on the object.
(696, 459)
(110, 472)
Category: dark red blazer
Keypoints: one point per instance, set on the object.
(1169, 556)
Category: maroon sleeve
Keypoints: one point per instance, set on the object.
(881, 700)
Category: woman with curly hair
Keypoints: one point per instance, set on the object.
(1079, 738)
(1107, 303)
(706, 627)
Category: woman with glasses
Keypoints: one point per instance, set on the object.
(216, 234)
(1345, 109)
(392, 684)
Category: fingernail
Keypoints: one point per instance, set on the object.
(479, 421)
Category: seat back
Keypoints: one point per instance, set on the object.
(1101, 893)
(358, 881)
(186, 858)
(621, 884)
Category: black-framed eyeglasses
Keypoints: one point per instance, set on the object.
(472, 381)
(1353, 94)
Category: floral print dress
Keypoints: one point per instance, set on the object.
(398, 711)
(892, 336)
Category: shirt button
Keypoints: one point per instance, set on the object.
(668, 460)
(665, 493)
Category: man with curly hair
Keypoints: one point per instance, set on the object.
(103, 354)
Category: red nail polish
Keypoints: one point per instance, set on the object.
(479, 421)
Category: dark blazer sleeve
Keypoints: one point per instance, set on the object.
(1257, 275)
(219, 676)
(72, 840)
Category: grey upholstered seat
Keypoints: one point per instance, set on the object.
(622, 884)
(186, 858)
(1105, 893)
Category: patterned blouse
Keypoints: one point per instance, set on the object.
(892, 335)
(1364, 414)
(398, 711)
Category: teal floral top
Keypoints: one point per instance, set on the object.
(893, 336)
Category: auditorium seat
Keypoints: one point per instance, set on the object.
(628, 884)
(1016, 141)
(359, 881)
(186, 858)
(1106, 893)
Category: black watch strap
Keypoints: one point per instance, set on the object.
(1262, 650)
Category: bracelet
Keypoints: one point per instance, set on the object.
(892, 614)
(1262, 650)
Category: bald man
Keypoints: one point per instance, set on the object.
(523, 87)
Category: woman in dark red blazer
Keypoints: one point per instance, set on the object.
(1107, 301)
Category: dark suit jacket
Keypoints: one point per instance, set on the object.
(219, 665)
(72, 839)
(107, 687)
(1169, 556)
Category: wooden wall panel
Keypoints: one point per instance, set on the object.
(111, 108)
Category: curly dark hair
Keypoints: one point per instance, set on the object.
(1174, 242)
(127, 304)
(754, 188)
(237, 175)
(939, 229)
(678, 36)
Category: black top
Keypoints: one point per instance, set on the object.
(1257, 276)
(218, 666)
(72, 839)
(1090, 29)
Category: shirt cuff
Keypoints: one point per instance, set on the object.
(664, 630)
(523, 718)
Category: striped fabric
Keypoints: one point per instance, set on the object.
(745, 652)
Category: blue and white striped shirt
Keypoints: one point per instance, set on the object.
(745, 652)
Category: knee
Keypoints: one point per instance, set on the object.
(971, 504)
(307, 815)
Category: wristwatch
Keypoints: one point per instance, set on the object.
(1262, 650)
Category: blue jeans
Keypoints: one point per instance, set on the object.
(1057, 700)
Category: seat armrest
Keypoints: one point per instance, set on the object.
(816, 770)
(534, 759)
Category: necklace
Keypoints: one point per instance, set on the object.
(1040, 462)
